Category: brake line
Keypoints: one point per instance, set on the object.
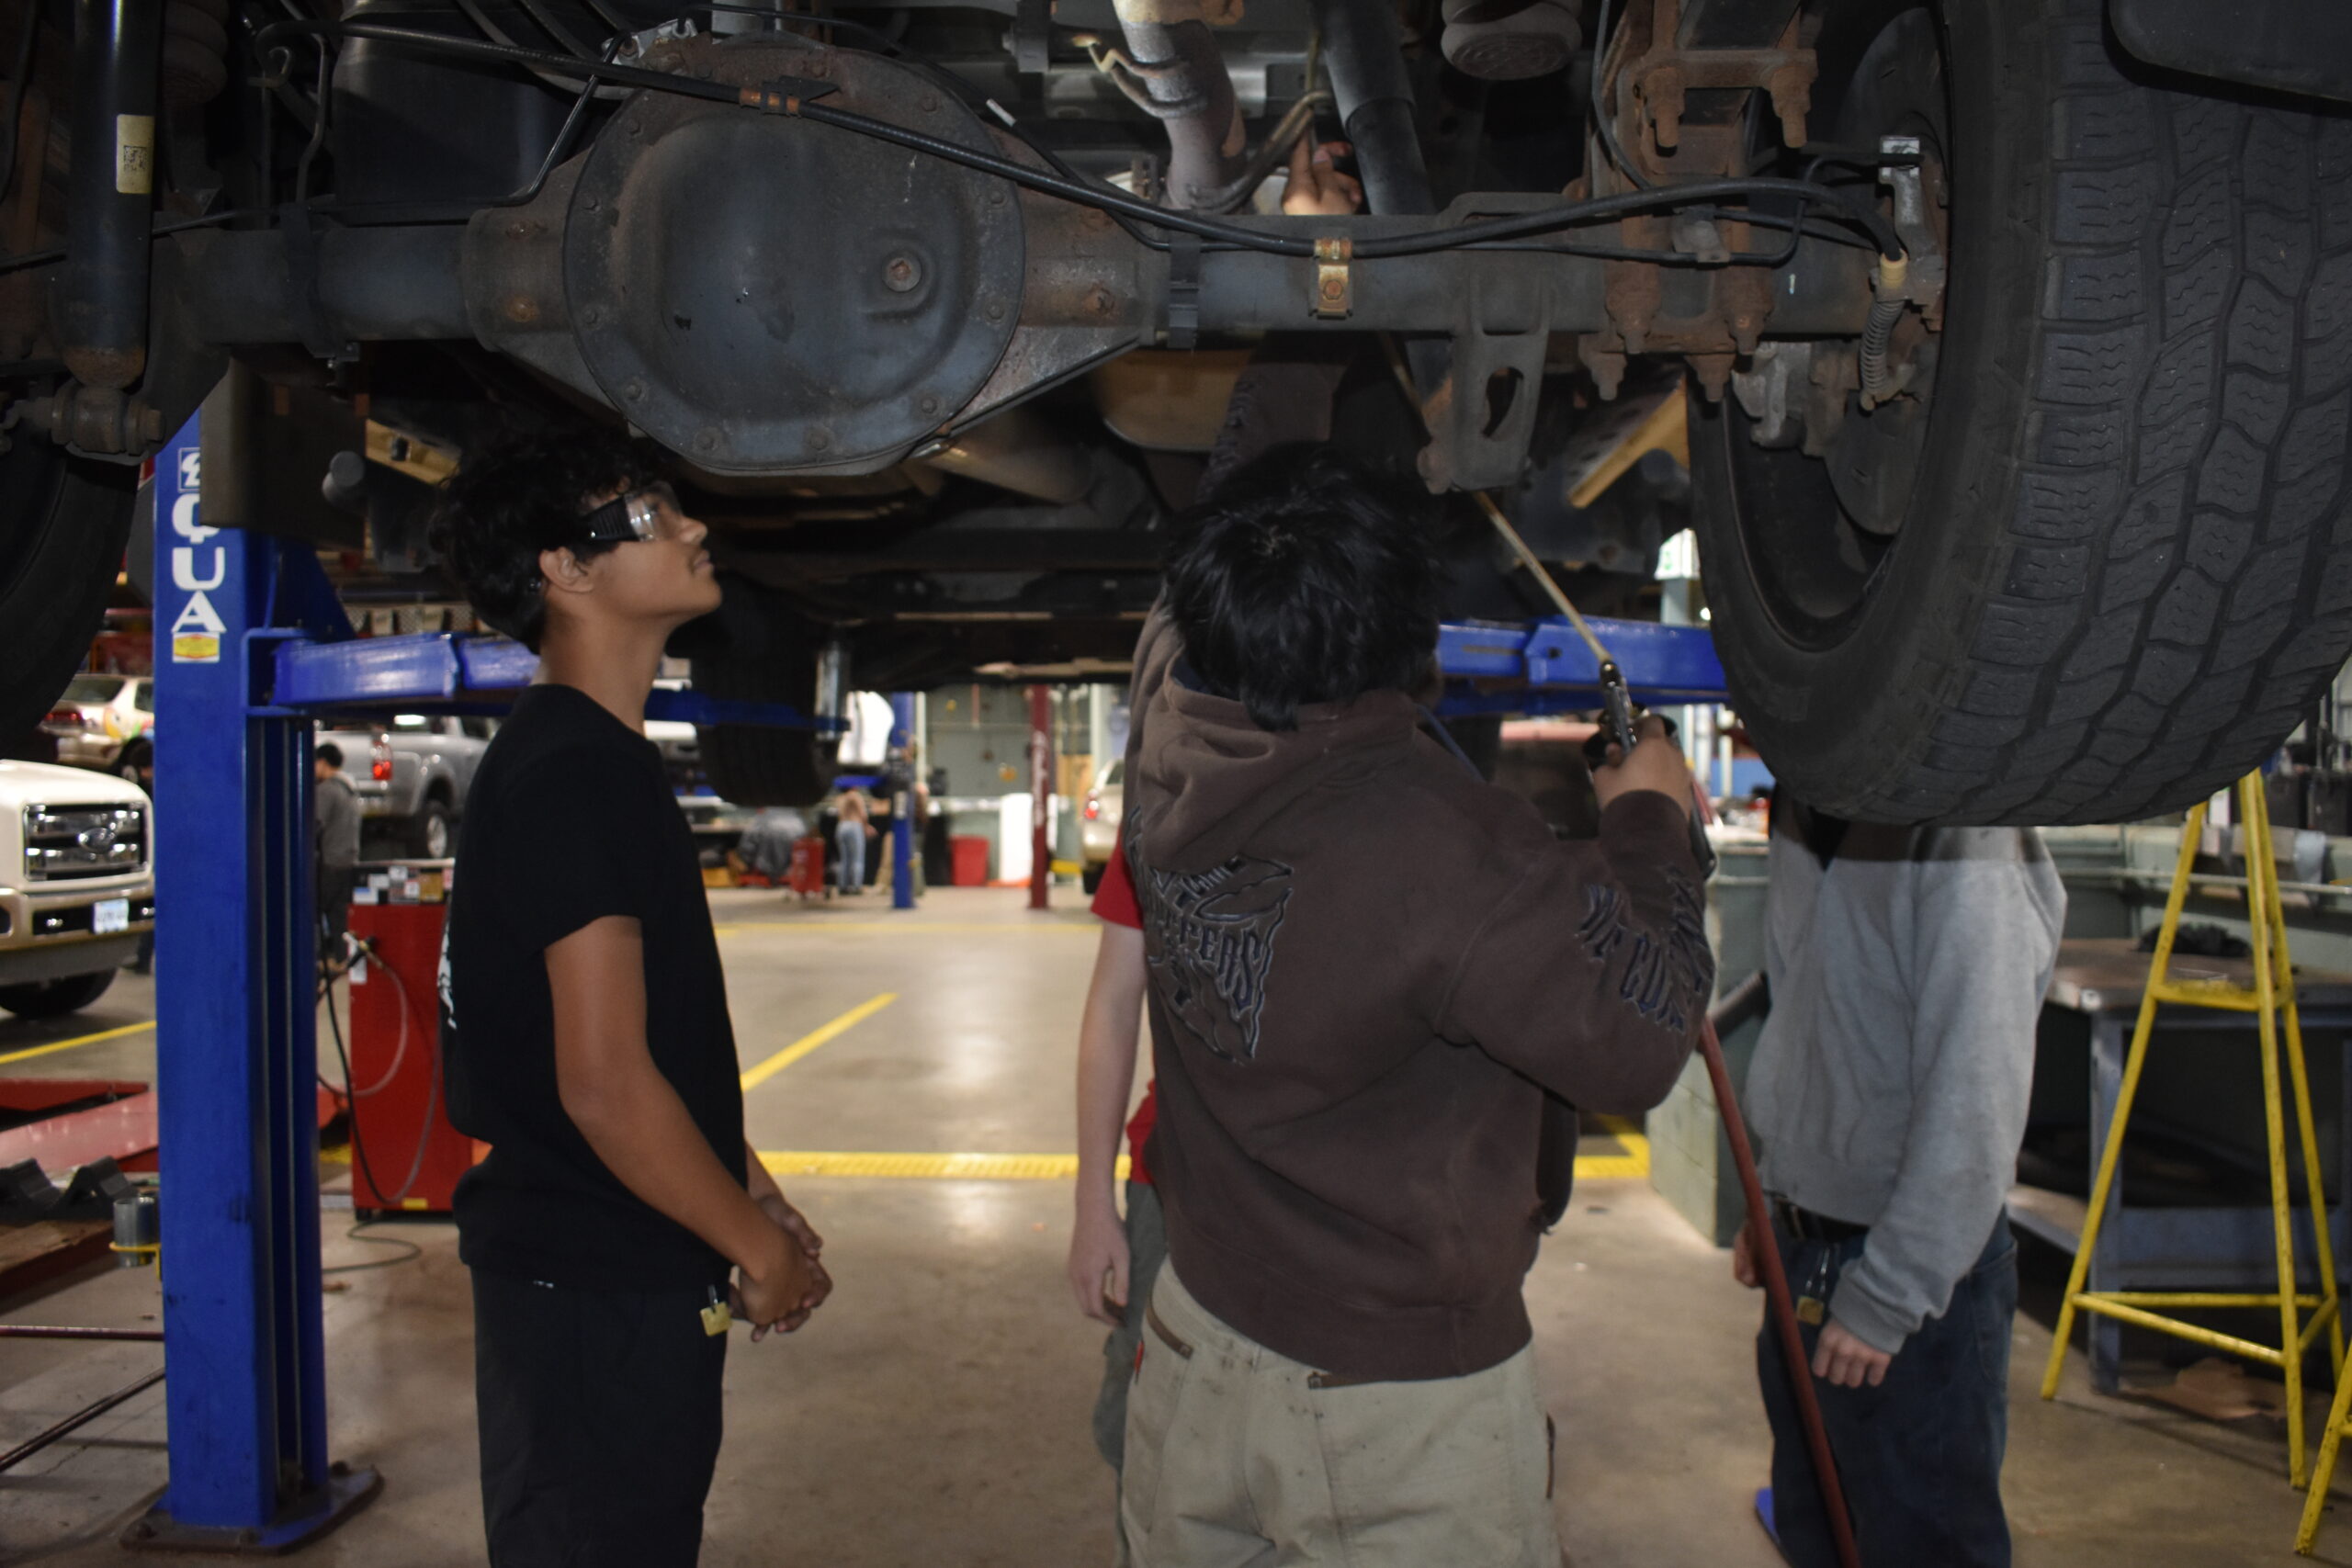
(1127, 211)
(775, 99)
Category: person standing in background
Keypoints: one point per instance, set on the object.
(1888, 1098)
(938, 854)
(335, 842)
(849, 833)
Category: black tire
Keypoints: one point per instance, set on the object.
(430, 833)
(64, 523)
(52, 998)
(2125, 565)
(130, 763)
(757, 765)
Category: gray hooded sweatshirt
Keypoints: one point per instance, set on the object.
(1889, 1088)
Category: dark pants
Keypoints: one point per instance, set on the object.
(335, 882)
(938, 859)
(600, 1421)
(1920, 1454)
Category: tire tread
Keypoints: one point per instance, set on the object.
(2199, 282)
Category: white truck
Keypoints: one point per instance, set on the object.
(77, 885)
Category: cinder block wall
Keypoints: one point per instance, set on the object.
(1689, 1158)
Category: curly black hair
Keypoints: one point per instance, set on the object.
(1305, 580)
(521, 493)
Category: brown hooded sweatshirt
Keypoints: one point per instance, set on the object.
(1364, 960)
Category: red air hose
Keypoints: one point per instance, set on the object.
(1744, 1000)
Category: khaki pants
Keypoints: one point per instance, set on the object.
(1240, 1458)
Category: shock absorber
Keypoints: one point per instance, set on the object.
(102, 294)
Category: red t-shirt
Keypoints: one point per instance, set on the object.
(1115, 900)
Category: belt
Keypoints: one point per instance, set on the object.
(1806, 1225)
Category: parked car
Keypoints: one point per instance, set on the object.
(1098, 822)
(105, 722)
(2007, 339)
(411, 776)
(78, 885)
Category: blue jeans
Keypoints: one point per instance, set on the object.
(1920, 1454)
(850, 839)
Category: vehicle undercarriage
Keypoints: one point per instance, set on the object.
(2012, 363)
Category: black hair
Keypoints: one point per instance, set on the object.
(330, 753)
(518, 495)
(1304, 580)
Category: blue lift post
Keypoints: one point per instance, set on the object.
(902, 810)
(236, 1053)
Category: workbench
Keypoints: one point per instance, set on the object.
(2099, 983)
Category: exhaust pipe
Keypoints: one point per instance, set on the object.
(1017, 451)
(1179, 77)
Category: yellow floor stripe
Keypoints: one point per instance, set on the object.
(811, 1041)
(1633, 1165)
(78, 1039)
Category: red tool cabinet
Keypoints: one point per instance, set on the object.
(412, 1156)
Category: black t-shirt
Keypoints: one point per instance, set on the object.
(570, 819)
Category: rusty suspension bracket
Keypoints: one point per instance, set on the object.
(1677, 103)
(1335, 295)
(1682, 72)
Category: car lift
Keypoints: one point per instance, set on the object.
(251, 646)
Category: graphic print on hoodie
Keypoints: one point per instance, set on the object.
(1211, 935)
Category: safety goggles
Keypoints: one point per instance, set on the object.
(637, 515)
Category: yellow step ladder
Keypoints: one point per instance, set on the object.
(2272, 994)
(2339, 1419)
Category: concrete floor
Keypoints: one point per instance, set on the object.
(936, 1413)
